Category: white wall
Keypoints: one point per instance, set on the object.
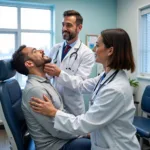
(127, 18)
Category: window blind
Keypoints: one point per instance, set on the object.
(145, 43)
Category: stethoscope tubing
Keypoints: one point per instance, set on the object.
(71, 55)
(108, 80)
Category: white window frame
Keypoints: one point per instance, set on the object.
(18, 31)
(141, 11)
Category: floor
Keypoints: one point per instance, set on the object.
(4, 143)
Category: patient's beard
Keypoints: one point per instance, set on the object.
(48, 60)
(43, 62)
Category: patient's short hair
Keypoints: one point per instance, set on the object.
(18, 61)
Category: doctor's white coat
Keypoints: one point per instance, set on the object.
(109, 119)
(80, 70)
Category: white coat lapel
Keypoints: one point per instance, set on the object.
(73, 49)
(110, 73)
(60, 54)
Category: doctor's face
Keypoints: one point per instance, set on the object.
(102, 53)
(70, 29)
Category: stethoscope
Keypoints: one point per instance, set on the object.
(74, 54)
(108, 81)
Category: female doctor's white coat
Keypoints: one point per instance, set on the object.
(109, 119)
(80, 70)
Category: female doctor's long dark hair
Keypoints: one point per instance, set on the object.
(122, 57)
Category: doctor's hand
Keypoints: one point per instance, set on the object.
(52, 69)
(43, 107)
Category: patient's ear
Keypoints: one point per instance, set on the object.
(29, 64)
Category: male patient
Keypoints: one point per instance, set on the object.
(30, 61)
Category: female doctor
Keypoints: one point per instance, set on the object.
(110, 116)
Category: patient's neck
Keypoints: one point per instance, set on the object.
(38, 72)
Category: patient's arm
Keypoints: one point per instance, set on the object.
(46, 122)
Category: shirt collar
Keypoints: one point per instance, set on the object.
(112, 71)
(72, 44)
(38, 78)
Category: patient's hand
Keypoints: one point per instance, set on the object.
(43, 107)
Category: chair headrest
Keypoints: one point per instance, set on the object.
(6, 70)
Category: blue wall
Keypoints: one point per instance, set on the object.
(97, 14)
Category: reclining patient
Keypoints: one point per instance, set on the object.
(30, 62)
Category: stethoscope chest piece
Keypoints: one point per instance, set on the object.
(72, 58)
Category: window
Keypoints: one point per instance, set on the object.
(144, 47)
(5, 14)
(7, 45)
(27, 24)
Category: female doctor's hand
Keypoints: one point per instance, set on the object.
(52, 69)
(43, 107)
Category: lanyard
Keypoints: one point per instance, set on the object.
(100, 80)
(108, 80)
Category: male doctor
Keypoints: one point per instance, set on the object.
(72, 57)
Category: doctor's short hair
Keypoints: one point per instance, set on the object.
(122, 57)
(79, 18)
(18, 61)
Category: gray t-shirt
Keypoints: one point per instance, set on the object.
(41, 127)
